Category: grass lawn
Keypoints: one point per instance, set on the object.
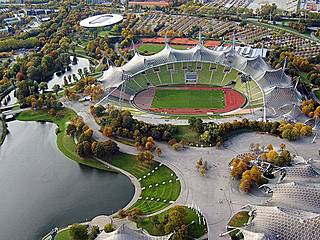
(63, 235)
(65, 143)
(196, 230)
(174, 98)
(159, 195)
(238, 220)
(154, 48)
(283, 28)
(185, 132)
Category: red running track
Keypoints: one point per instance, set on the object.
(233, 100)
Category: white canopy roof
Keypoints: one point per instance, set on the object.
(101, 20)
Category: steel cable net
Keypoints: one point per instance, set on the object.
(284, 223)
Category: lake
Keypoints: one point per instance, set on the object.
(40, 188)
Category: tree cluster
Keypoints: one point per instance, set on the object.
(300, 27)
(310, 108)
(122, 124)
(87, 146)
(280, 158)
(292, 132)
(212, 133)
(249, 177)
(83, 232)
(174, 221)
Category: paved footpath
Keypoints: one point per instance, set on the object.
(216, 194)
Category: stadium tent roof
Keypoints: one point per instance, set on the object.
(233, 59)
(140, 63)
(124, 232)
(301, 173)
(101, 20)
(279, 100)
(248, 235)
(296, 115)
(256, 67)
(295, 195)
(113, 76)
(274, 78)
(283, 223)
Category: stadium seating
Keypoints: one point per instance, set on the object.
(142, 81)
(178, 76)
(165, 75)
(152, 77)
(133, 86)
(217, 75)
(204, 75)
(230, 76)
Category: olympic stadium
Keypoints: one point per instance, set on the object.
(201, 81)
(101, 20)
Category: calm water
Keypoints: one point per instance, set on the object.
(40, 188)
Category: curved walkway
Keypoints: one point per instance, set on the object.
(216, 194)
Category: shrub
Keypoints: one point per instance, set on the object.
(79, 232)
(108, 228)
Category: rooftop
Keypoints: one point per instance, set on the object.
(101, 20)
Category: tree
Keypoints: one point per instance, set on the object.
(272, 155)
(174, 221)
(43, 86)
(177, 146)
(206, 137)
(79, 232)
(270, 147)
(83, 149)
(158, 151)
(238, 167)
(290, 134)
(99, 110)
(306, 131)
(202, 171)
(108, 228)
(107, 131)
(245, 185)
(56, 88)
(255, 174)
(145, 157)
(94, 232)
(105, 148)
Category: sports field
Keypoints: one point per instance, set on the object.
(188, 98)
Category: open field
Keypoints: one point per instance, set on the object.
(164, 184)
(175, 98)
(154, 48)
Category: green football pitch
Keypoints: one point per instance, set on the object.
(175, 98)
